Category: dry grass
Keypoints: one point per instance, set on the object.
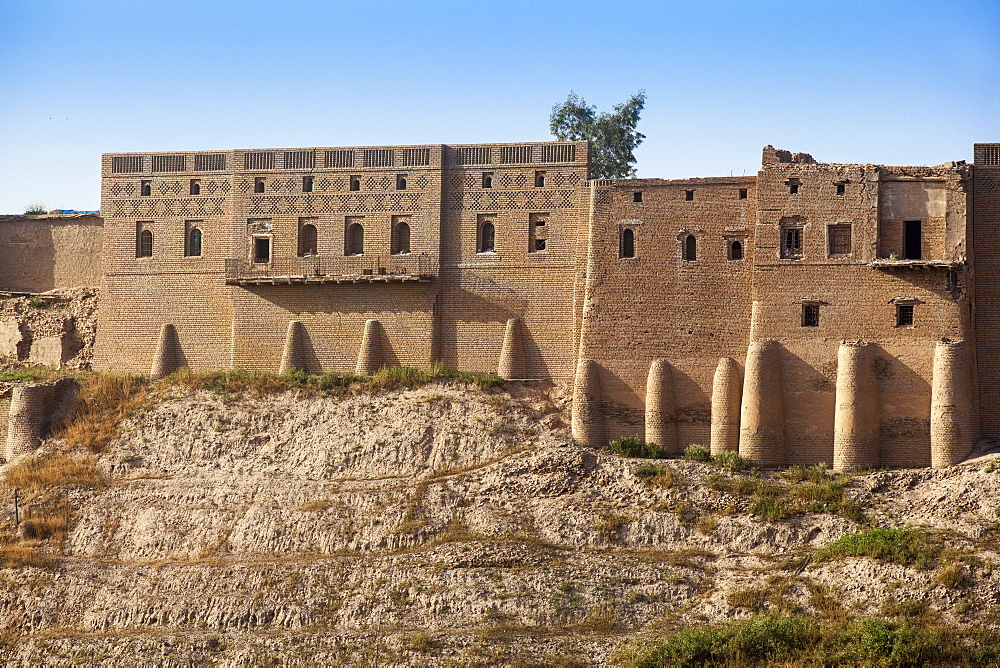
(55, 470)
(20, 556)
(103, 402)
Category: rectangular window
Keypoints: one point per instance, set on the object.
(126, 164)
(378, 157)
(261, 249)
(793, 186)
(258, 160)
(169, 163)
(206, 162)
(538, 232)
(688, 195)
(300, 159)
(558, 153)
(791, 242)
(515, 154)
(341, 158)
(743, 193)
(839, 239)
(307, 184)
(637, 197)
(841, 188)
(904, 315)
(810, 315)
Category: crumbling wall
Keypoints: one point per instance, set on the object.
(41, 253)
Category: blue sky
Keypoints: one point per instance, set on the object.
(890, 82)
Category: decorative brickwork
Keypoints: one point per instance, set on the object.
(795, 315)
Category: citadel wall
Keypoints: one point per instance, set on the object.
(42, 253)
(374, 214)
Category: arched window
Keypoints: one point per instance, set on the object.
(194, 243)
(736, 250)
(355, 183)
(145, 246)
(487, 238)
(401, 239)
(690, 248)
(145, 189)
(307, 240)
(627, 245)
(258, 185)
(195, 187)
(355, 240)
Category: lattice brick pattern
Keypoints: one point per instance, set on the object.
(378, 157)
(511, 200)
(339, 158)
(258, 160)
(209, 162)
(300, 159)
(991, 155)
(169, 163)
(126, 164)
(347, 202)
(414, 157)
(473, 155)
(515, 154)
(559, 153)
(152, 208)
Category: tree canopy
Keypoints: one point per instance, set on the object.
(612, 134)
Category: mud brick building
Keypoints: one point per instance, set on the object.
(813, 312)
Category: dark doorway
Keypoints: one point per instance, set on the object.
(911, 240)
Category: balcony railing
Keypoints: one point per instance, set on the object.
(315, 270)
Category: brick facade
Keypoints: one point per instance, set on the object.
(663, 297)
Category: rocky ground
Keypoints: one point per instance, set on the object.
(445, 525)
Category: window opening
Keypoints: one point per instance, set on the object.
(537, 232)
(258, 184)
(627, 246)
(810, 315)
(401, 182)
(736, 250)
(307, 184)
(743, 193)
(261, 249)
(637, 197)
(355, 240)
(487, 238)
(539, 179)
(145, 188)
(487, 179)
(839, 239)
(841, 188)
(355, 183)
(145, 248)
(195, 187)
(793, 186)
(904, 315)
(401, 240)
(791, 242)
(308, 238)
(194, 243)
(690, 248)
(689, 195)
(911, 240)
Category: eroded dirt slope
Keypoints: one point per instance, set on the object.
(447, 526)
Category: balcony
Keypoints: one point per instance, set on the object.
(332, 270)
(888, 263)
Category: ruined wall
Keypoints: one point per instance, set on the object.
(690, 310)
(42, 253)
(813, 297)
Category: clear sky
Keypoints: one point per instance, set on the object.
(884, 81)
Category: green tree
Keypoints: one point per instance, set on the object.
(613, 135)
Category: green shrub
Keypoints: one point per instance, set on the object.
(697, 453)
(731, 461)
(35, 208)
(36, 302)
(800, 640)
(907, 546)
(633, 447)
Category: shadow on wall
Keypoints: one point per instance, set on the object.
(490, 319)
